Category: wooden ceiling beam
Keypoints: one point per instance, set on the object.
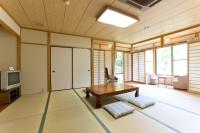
(169, 33)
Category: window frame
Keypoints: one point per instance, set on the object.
(171, 66)
(173, 60)
(149, 61)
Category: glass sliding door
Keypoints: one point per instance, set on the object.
(149, 61)
(119, 66)
(180, 53)
(164, 61)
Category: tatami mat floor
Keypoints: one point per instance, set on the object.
(69, 111)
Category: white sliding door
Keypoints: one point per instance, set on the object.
(98, 67)
(61, 68)
(127, 67)
(138, 67)
(141, 67)
(194, 66)
(135, 67)
(81, 68)
(33, 68)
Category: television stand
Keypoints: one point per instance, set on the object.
(8, 96)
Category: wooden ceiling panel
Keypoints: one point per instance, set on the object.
(99, 28)
(161, 22)
(153, 15)
(55, 10)
(174, 23)
(109, 29)
(120, 5)
(36, 11)
(73, 14)
(89, 18)
(94, 29)
(16, 11)
(80, 16)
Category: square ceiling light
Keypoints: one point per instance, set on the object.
(116, 18)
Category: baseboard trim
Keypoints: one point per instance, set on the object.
(193, 91)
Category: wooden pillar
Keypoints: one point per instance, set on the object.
(18, 61)
(92, 63)
(49, 61)
(172, 64)
(162, 41)
(113, 59)
(132, 63)
(154, 61)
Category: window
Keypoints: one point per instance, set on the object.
(149, 61)
(180, 59)
(119, 66)
(119, 63)
(164, 64)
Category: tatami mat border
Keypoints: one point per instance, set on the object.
(44, 114)
(102, 124)
(95, 116)
(162, 123)
(172, 106)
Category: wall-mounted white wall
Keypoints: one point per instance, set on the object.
(33, 61)
(34, 56)
(8, 49)
(33, 68)
(70, 41)
(33, 36)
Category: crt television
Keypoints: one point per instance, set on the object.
(10, 79)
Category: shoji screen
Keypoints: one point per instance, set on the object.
(141, 67)
(194, 67)
(127, 67)
(135, 67)
(98, 67)
(138, 67)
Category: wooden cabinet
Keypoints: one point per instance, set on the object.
(6, 97)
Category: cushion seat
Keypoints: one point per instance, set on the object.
(118, 109)
(141, 102)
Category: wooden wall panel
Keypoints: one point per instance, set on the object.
(33, 36)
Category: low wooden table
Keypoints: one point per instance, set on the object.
(107, 90)
(164, 78)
